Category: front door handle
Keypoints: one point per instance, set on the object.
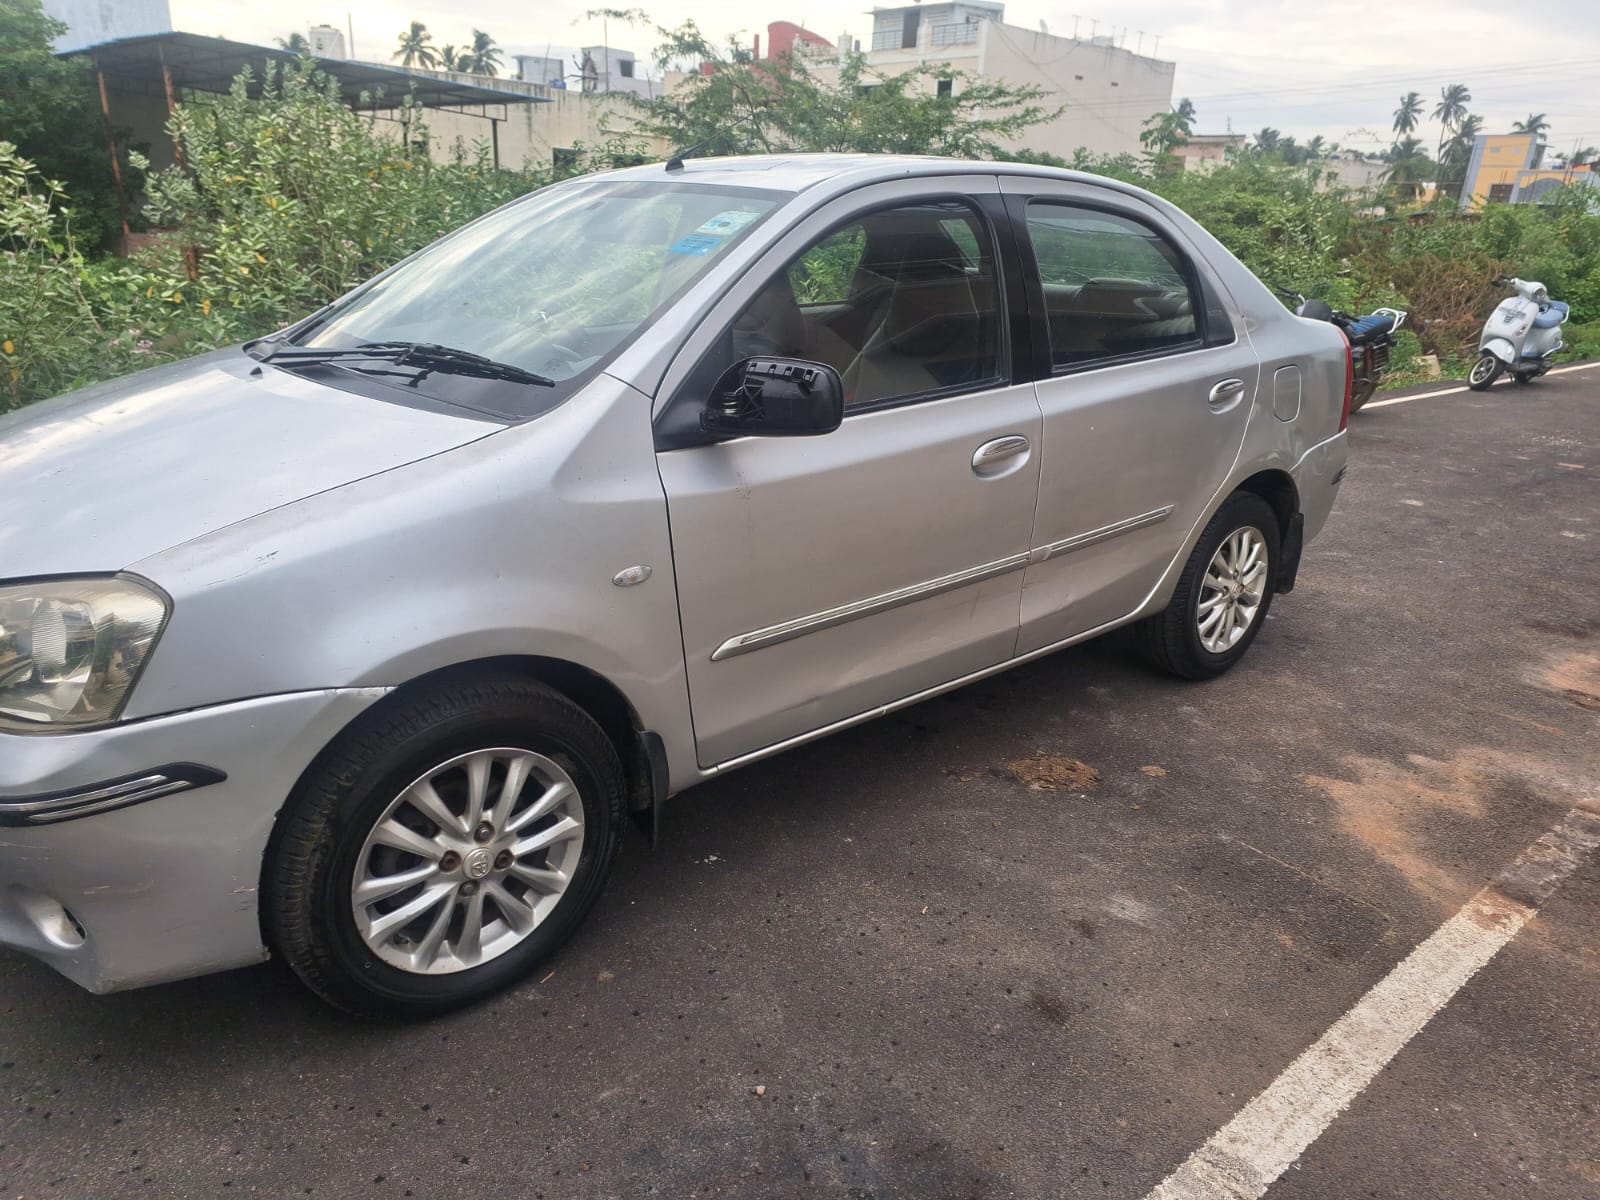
(992, 457)
(1227, 390)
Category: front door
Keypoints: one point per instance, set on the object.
(821, 578)
(1145, 398)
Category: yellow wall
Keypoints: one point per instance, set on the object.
(1505, 156)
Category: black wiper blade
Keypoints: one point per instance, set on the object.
(430, 356)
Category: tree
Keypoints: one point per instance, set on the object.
(451, 59)
(1457, 153)
(295, 43)
(1267, 140)
(735, 105)
(484, 56)
(416, 47)
(50, 110)
(1409, 114)
(1586, 154)
(1163, 133)
(1450, 111)
(1409, 167)
(1186, 112)
(1317, 147)
(1534, 124)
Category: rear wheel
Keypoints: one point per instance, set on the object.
(439, 853)
(1222, 596)
(1484, 372)
(1363, 391)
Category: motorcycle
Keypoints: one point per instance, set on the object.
(1522, 335)
(1371, 341)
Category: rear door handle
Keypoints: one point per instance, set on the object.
(1228, 389)
(992, 457)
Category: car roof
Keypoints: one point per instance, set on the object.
(798, 172)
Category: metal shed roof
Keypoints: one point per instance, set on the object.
(210, 64)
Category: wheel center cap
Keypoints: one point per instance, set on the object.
(477, 863)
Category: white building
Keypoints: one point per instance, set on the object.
(90, 22)
(1109, 91)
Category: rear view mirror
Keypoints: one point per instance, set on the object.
(775, 397)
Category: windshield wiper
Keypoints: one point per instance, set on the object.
(429, 356)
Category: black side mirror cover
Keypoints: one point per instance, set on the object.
(775, 397)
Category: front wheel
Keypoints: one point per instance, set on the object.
(1484, 372)
(1223, 595)
(439, 852)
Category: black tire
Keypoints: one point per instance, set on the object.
(1484, 372)
(1525, 377)
(1171, 639)
(1362, 392)
(306, 886)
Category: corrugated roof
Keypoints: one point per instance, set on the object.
(210, 64)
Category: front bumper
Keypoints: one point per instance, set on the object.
(164, 887)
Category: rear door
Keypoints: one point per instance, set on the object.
(1145, 388)
(820, 578)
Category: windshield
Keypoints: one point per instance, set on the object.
(554, 285)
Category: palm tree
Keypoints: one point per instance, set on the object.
(451, 59)
(1457, 152)
(1535, 124)
(1186, 114)
(1408, 167)
(1408, 114)
(1316, 147)
(1450, 111)
(416, 47)
(1587, 154)
(484, 57)
(1267, 140)
(295, 43)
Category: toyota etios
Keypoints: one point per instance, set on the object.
(357, 645)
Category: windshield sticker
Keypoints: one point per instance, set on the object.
(696, 246)
(726, 224)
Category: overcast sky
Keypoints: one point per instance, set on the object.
(1303, 67)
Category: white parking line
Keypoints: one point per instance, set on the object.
(1372, 404)
(1244, 1157)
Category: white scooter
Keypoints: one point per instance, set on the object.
(1522, 336)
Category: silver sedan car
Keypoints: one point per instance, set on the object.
(359, 645)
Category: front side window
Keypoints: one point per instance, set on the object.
(1113, 286)
(902, 302)
(553, 285)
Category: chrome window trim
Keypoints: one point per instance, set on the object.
(786, 631)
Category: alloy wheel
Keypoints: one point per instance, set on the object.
(1232, 590)
(467, 861)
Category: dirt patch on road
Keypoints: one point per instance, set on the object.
(1388, 805)
(1577, 677)
(1053, 772)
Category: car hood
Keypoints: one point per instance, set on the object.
(98, 479)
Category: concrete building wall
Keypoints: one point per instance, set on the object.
(1497, 160)
(90, 22)
(1109, 92)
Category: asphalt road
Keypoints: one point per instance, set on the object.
(880, 966)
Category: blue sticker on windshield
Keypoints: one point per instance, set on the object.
(726, 224)
(695, 246)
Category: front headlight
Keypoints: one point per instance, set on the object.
(70, 650)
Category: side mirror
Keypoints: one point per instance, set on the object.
(775, 397)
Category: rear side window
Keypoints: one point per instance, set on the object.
(1113, 286)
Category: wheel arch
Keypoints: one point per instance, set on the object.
(643, 762)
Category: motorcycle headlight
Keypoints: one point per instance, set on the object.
(70, 650)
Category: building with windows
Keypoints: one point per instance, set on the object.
(1508, 168)
(1208, 151)
(1108, 90)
